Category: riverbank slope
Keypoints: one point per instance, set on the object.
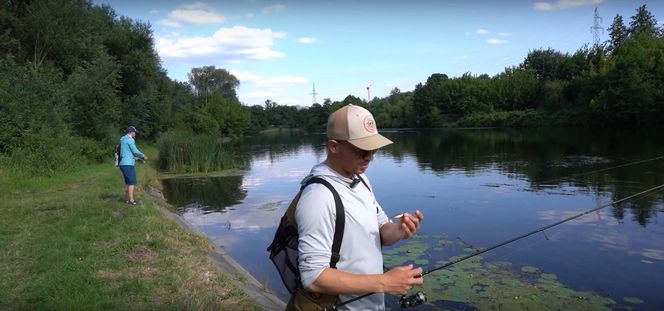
(70, 242)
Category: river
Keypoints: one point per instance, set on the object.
(476, 188)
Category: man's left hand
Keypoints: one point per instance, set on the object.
(410, 223)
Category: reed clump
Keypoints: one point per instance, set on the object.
(186, 152)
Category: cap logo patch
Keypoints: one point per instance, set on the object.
(369, 124)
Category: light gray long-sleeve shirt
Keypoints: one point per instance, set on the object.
(360, 252)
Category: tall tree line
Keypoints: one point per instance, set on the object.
(73, 75)
(614, 83)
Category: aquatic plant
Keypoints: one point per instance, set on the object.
(490, 285)
(183, 152)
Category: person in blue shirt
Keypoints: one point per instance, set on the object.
(128, 155)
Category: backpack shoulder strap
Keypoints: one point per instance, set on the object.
(340, 221)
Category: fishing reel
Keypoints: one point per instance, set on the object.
(412, 300)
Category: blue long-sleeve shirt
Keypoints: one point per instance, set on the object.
(128, 150)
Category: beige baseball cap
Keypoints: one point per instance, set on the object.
(357, 126)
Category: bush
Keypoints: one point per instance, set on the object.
(46, 153)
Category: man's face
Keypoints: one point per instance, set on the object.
(354, 160)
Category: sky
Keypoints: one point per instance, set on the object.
(280, 50)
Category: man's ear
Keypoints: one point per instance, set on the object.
(333, 145)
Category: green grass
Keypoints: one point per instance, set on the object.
(69, 242)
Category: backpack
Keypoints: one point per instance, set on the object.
(118, 154)
(283, 250)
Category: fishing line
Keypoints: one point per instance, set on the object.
(452, 262)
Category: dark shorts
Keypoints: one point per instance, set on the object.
(129, 174)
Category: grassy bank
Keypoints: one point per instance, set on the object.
(70, 242)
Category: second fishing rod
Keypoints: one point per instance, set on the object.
(419, 297)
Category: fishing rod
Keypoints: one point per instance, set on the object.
(419, 297)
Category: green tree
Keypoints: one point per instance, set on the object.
(632, 93)
(93, 101)
(515, 89)
(643, 22)
(544, 63)
(31, 100)
(618, 32)
(208, 79)
(352, 100)
(427, 96)
(60, 32)
(232, 118)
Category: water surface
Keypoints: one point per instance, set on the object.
(476, 187)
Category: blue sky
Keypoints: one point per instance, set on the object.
(279, 49)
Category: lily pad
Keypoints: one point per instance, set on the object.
(484, 285)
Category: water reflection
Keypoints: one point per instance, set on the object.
(208, 194)
(282, 144)
(546, 158)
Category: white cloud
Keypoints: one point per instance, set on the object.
(250, 15)
(496, 41)
(195, 13)
(307, 40)
(245, 76)
(169, 23)
(504, 34)
(274, 88)
(460, 57)
(563, 4)
(231, 45)
(481, 31)
(276, 8)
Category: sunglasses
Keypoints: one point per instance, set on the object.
(358, 152)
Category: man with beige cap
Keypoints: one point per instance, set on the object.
(352, 140)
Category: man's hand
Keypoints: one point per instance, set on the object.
(400, 279)
(410, 223)
(392, 232)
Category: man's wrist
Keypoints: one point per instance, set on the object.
(382, 283)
